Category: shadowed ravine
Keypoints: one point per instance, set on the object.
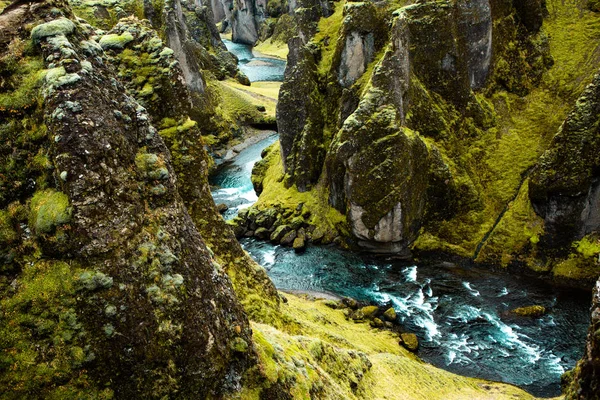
(458, 314)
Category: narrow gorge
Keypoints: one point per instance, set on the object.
(302, 199)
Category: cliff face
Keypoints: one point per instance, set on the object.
(583, 382)
(420, 125)
(106, 282)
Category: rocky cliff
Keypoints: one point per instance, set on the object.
(118, 278)
(420, 124)
(583, 382)
(107, 286)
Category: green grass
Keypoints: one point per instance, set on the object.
(272, 48)
(329, 28)
(498, 158)
(315, 200)
(236, 105)
(338, 358)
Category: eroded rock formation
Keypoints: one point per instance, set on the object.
(127, 298)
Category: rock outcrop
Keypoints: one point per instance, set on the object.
(379, 123)
(583, 382)
(564, 186)
(127, 299)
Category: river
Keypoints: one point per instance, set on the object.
(458, 313)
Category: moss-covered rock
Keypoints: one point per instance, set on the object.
(583, 382)
(49, 209)
(104, 301)
(529, 311)
(410, 341)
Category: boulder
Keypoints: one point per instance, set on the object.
(288, 238)
(409, 341)
(377, 323)
(529, 311)
(368, 312)
(299, 244)
(390, 314)
(262, 233)
(279, 233)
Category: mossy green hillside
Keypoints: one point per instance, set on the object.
(277, 193)
(519, 229)
(498, 159)
(44, 345)
(328, 356)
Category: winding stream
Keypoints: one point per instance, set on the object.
(457, 313)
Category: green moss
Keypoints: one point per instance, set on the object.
(276, 193)
(115, 42)
(48, 210)
(328, 32)
(576, 269)
(173, 131)
(26, 82)
(588, 247)
(237, 106)
(7, 231)
(529, 311)
(519, 228)
(60, 26)
(42, 340)
(327, 356)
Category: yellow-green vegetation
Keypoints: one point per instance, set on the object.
(26, 78)
(171, 128)
(49, 210)
(499, 158)
(588, 247)
(42, 341)
(328, 32)
(239, 106)
(272, 48)
(60, 26)
(258, 94)
(519, 227)
(114, 41)
(582, 264)
(106, 13)
(276, 193)
(3, 4)
(574, 33)
(324, 355)
(529, 311)
(7, 232)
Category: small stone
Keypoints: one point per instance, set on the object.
(350, 303)
(242, 79)
(279, 233)
(288, 239)
(530, 311)
(299, 244)
(63, 176)
(377, 323)
(110, 311)
(409, 341)
(262, 233)
(368, 312)
(239, 345)
(390, 314)
(221, 208)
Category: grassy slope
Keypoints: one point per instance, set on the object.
(321, 338)
(260, 93)
(272, 48)
(525, 127)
